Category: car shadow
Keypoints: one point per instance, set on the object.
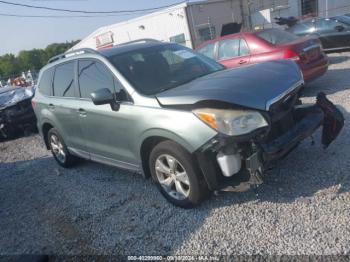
(338, 51)
(334, 81)
(337, 59)
(19, 133)
(98, 209)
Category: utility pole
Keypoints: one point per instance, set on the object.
(210, 29)
(249, 3)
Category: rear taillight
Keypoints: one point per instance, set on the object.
(290, 54)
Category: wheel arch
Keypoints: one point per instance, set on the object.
(45, 128)
(153, 137)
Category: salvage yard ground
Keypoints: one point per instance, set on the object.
(302, 208)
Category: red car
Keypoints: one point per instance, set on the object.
(266, 45)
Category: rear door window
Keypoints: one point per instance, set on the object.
(63, 83)
(231, 48)
(208, 50)
(243, 48)
(228, 49)
(45, 84)
(94, 75)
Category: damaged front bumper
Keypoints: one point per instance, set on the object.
(227, 162)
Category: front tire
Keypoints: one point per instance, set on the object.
(177, 175)
(59, 149)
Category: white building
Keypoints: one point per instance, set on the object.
(263, 12)
(192, 23)
(187, 23)
(329, 8)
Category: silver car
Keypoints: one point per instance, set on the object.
(168, 112)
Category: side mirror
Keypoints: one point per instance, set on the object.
(102, 97)
(339, 28)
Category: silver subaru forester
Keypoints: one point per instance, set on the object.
(167, 112)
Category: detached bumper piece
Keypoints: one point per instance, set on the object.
(256, 153)
(333, 121)
(308, 119)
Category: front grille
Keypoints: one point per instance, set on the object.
(281, 126)
(281, 116)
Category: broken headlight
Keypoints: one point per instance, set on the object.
(231, 122)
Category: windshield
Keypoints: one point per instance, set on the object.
(276, 36)
(154, 69)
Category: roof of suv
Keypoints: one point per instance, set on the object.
(124, 48)
(108, 52)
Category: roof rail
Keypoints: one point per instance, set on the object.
(72, 53)
(143, 40)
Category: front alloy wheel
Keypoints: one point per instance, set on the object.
(177, 175)
(172, 176)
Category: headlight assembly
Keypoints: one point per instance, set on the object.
(231, 122)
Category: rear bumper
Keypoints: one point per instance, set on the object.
(315, 69)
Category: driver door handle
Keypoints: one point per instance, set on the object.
(82, 112)
(51, 107)
(243, 62)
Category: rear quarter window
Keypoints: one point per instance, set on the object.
(45, 84)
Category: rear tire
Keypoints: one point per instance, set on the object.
(177, 175)
(59, 149)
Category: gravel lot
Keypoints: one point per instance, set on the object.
(303, 207)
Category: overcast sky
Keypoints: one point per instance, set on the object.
(18, 33)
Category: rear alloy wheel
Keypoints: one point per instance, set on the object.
(177, 175)
(59, 149)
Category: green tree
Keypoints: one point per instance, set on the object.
(9, 65)
(56, 49)
(34, 60)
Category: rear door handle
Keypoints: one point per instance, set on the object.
(82, 112)
(242, 62)
(51, 107)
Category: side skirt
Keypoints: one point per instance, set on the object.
(105, 160)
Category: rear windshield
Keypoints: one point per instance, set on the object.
(276, 36)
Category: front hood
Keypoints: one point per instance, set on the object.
(255, 86)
